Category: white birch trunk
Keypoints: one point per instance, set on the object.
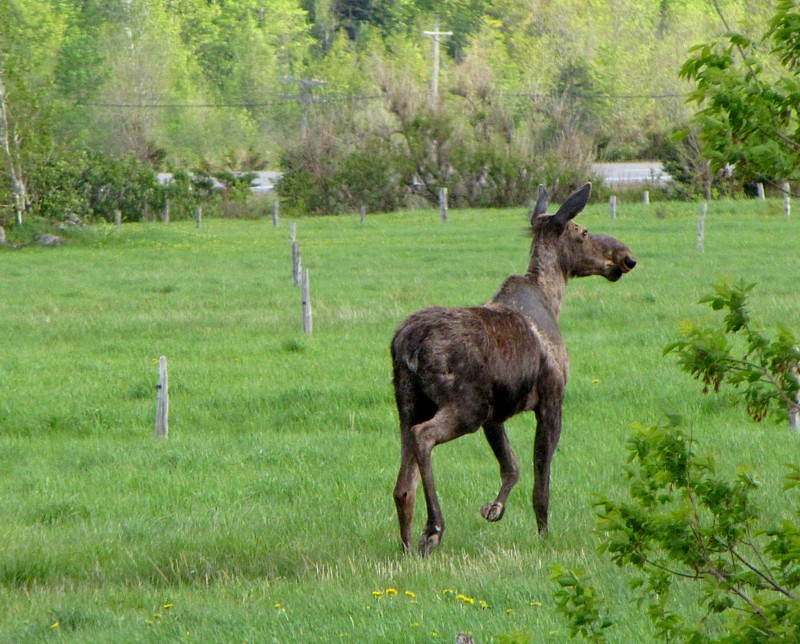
(11, 148)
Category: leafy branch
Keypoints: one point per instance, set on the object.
(683, 522)
(765, 374)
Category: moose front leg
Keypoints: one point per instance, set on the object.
(548, 431)
(509, 470)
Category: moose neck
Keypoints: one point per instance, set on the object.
(547, 274)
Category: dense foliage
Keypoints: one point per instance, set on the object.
(338, 93)
(748, 92)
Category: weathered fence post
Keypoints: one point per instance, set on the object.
(787, 203)
(165, 216)
(292, 231)
(2, 235)
(363, 214)
(646, 197)
(443, 203)
(296, 269)
(612, 203)
(199, 216)
(118, 219)
(760, 191)
(701, 228)
(306, 294)
(275, 208)
(162, 406)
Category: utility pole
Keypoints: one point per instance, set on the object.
(305, 98)
(437, 36)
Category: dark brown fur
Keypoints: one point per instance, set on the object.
(458, 369)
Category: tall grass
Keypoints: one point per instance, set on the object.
(267, 515)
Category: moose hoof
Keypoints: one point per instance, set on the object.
(428, 543)
(493, 511)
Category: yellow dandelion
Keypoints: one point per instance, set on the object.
(483, 604)
(55, 625)
(536, 603)
(157, 616)
(509, 611)
(377, 593)
(596, 381)
(278, 606)
(410, 593)
(391, 592)
(167, 606)
(434, 634)
(448, 591)
(465, 599)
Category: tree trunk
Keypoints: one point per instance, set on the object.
(11, 148)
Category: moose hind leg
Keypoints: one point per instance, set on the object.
(509, 470)
(405, 490)
(449, 422)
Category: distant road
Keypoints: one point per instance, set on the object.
(641, 172)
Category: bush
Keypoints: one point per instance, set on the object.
(91, 186)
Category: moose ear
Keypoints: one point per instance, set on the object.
(574, 204)
(541, 204)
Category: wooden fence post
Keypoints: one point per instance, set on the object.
(199, 216)
(306, 294)
(296, 269)
(760, 191)
(443, 203)
(292, 231)
(612, 203)
(118, 219)
(165, 216)
(162, 406)
(701, 228)
(646, 197)
(275, 207)
(787, 203)
(363, 214)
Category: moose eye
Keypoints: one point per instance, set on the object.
(585, 233)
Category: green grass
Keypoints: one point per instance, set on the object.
(267, 515)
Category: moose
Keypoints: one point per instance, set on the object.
(457, 369)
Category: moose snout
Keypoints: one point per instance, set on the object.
(630, 262)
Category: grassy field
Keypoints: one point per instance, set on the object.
(267, 515)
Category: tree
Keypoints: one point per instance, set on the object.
(30, 35)
(749, 94)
